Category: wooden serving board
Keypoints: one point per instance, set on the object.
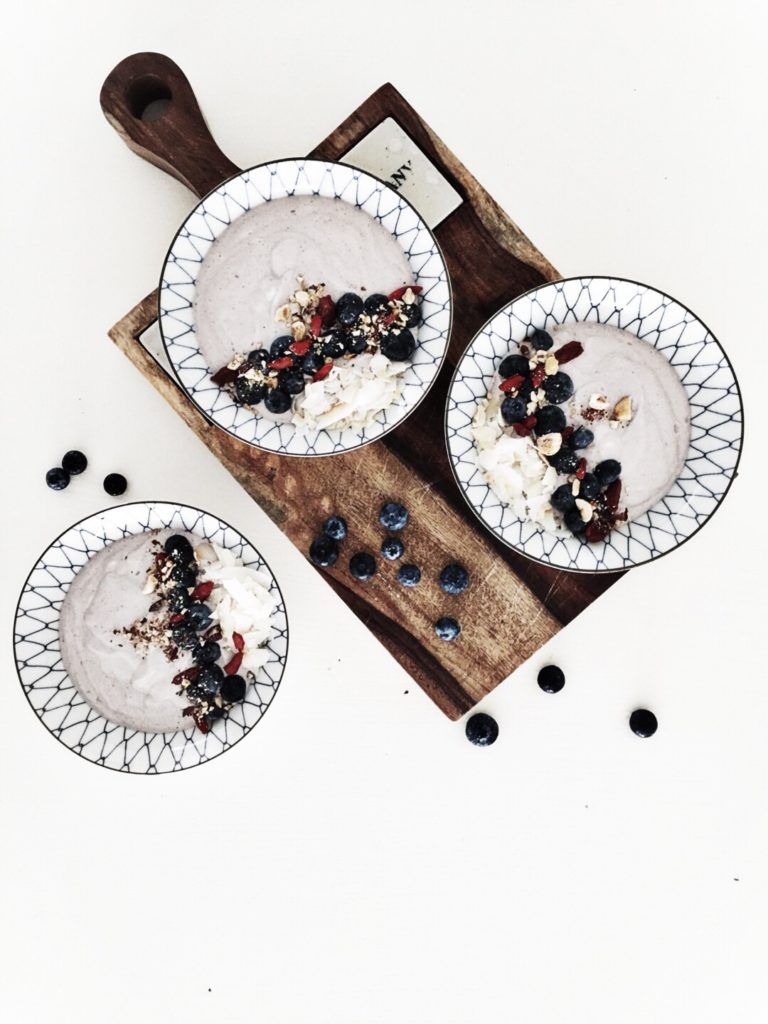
(513, 605)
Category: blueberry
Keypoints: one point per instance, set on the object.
(233, 689)
(514, 409)
(115, 484)
(562, 499)
(398, 345)
(412, 314)
(199, 616)
(643, 722)
(447, 628)
(482, 730)
(334, 345)
(291, 381)
(280, 346)
(356, 342)
(392, 548)
(348, 308)
(183, 636)
(393, 516)
(540, 340)
(57, 478)
(376, 303)
(574, 522)
(184, 574)
(216, 712)
(514, 365)
(607, 471)
(454, 578)
(582, 437)
(249, 392)
(551, 679)
(312, 361)
(179, 549)
(565, 461)
(362, 565)
(589, 487)
(335, 527)
(259, 358)
(206, 653)
(558, 388)
(550, 420)
(277, 400)
(210, 678)
(409, 575)
(179, 599)
(323, 551)
(74, 463)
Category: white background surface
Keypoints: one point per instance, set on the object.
(355, 860)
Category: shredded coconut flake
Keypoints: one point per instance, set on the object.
(352, 395)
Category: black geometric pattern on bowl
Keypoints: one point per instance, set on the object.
(50, 691)
(706, 375)
(214, 214)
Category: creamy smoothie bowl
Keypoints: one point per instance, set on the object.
(305, 307)
(150, 637)
(594, 424)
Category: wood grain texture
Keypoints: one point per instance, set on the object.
(514, 605)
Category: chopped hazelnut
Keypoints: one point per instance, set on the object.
(549, 444)
(586, 511)
(622, 411)
(551, 365)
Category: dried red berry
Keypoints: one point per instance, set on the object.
(238, 641)
(178, 617)
(202, 591)
(538, 376)
(224, 376)
(280, 364)
(612, 495)
(315, 325)
(530, 422)
(521, 429)
(390, 318)
(323, 372)
(512, 383)
(581, 469)
(569, 351)
(597, 530)
(567, 432)
(300, 348)
(234, 664)
(188, 673)
(326, 307)
(398, 293)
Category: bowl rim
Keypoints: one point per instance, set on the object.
(731, 475)
(79, 522)
(448, 332)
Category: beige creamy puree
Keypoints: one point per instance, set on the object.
(652, 447)
(252, 267)
(129, 686)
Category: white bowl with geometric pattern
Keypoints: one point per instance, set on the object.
(52, 694)
(704, 371)
(277, 180)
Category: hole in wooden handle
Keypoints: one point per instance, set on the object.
(149, 98)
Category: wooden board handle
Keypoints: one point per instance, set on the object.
(149, 102)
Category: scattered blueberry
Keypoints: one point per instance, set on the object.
(540, 340)
(392, 548)
(183, 636)
(398, 345)
(184, 574)
(291, 381)
(412, 315)
(643, 722)
(550, 420)
(562, 498)
(393, 516)
(356, 342)
(249, 392)
(179, 549)
(573, 521)
(607, 471)
(514, 409)
(115, 484)
(206, 653)
(589, 487)
(376, 303)
(334, 345)
(280, 346)
(233, 689)
(74, 462)
(277, 400)
(335, 527)
(179, 599)
(551, 679)
(514, 365)
(362, 565)
(210, 678)
(447, 628)
(259, 358)
(558, 388)
(565, 461)
(216, 712)
(57, 478)
(348, 308)
(312, 361)
(323, 551)
(199, 616)
(582, 437)
(454, 578)
(482, 730)
(409, 575)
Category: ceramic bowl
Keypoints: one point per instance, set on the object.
(234, 198)
(51, 693)
(705, 373)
